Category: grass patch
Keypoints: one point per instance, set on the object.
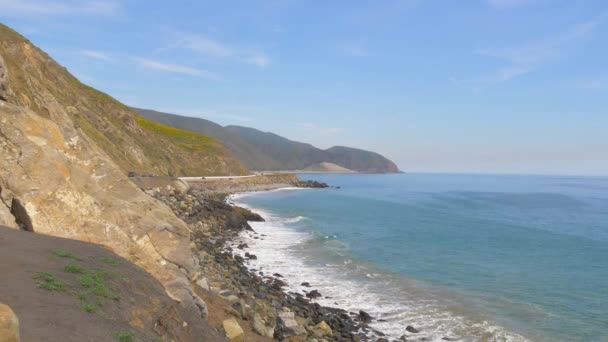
(48, 281)
(124, 336)
(73, 268)
(89, 307)
(110, 261)
(187, 140)
(64, 254)
(94, 281)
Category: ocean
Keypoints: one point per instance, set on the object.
(467, 257)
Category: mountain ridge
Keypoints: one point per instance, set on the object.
(268, 151)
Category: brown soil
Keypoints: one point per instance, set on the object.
(142, 306)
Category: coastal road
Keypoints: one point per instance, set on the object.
(202, 179)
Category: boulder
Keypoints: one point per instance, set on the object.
(233, 330)
(9, 324)
(3, 81)
(202, 282)
(6, 218)
(313, 294)
(181, 291)
(411, 329)
(259, 326)
(322, 329)
(364, 317)
(287, 326)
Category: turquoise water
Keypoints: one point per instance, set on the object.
(476, 257)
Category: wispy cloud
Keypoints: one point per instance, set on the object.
(57, 7)
(316, 128)
(205, 46)
(214, 48)
(96, 55)
(174, 68)
(526, 58)
(355, 49)
(501, 4)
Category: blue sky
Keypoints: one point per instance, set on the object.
(500, 86)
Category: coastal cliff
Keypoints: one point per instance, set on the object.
(67, 151)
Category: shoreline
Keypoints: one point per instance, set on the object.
(260, 303)
(284, 245)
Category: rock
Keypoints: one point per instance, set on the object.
(259, 326)
(6, 218)
(295, 339)
(448, 338)
(9, 324)
(287, 326)
(305, 284)
(202, 282)
(242, 246)
(364, 317)
(411, 329)
(181, 291)
(403, 338)
(233, 330)
(313, 294)
(323, 329)
(382, 339)
(3, 81)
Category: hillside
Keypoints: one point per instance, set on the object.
(327, 167)
(36, 82)
(47, 282)
(268, 151)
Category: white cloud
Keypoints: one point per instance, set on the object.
(96, 55)
(57, 7)
(213, 48)
(526, 58)
(205, 46)
(509, 3)
(174, 68)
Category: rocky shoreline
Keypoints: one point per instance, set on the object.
(254, 298)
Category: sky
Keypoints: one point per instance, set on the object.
(489, 86)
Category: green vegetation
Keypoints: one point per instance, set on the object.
(124, 336)
(110, 261)
(46, 280)
(95, 283)
(64, 254)
(89, 307)
(185, 139)
(73, 268)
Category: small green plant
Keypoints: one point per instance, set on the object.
(110, 261)
(95, 282)
(46, 280)
(89, 307)
(64, 254)
(124, 336)
(73, 268)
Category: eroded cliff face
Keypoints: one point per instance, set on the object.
(56, 179)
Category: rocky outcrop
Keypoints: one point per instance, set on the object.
(9, 325)
(3, 80)
(65, 150)
(63, 184)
